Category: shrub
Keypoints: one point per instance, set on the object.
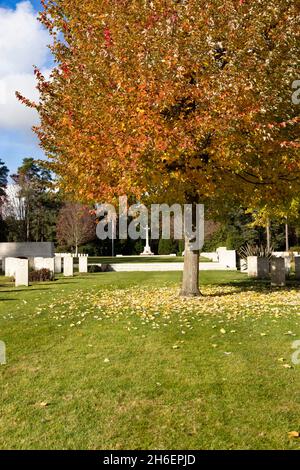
(167, 247)
(255, 250)
(181, 247)
(104, 268)
(41, 275)
(94, 269)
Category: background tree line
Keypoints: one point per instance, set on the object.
(32, 209)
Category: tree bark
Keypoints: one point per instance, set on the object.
(190, 281)
(268, 235)
(287, 242)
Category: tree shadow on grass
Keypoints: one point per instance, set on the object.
(64, 282)
(13, 290)
(250, 285)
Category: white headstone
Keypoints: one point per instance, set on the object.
(38, 263)
(10, 267)
(258, 267)
(83, 264)
(278, 272)
(44, 263)
(227, 258)
(21, 275)
(49, 263)
(68, 266)
(58, 264)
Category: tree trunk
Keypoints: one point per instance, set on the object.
(268, 236)
(27, 224)
(190, 281)
(287, 242)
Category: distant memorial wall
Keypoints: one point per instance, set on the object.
(27, 250)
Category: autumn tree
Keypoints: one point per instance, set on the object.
(75, 226)
(173, 100)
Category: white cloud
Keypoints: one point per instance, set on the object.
(23, 43)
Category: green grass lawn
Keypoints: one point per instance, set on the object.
(119, 361)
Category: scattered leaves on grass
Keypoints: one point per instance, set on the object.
(157, 308)
(43, 404)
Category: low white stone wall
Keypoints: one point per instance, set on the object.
(149, 267)
(213, 255)
(26, 249)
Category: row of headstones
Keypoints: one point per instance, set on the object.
(278, 268)
(19, 267)
(79, 255)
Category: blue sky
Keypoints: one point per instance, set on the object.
(23, 43)
(11, 4)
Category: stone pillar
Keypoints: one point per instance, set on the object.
(68, 266)
(258, 267)
(297, 267)
(278, 272)
(83, 264)
(58, 264)
(22, 270)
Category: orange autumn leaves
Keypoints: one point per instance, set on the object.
(172, 99)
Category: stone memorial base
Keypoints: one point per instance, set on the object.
(147, 252)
